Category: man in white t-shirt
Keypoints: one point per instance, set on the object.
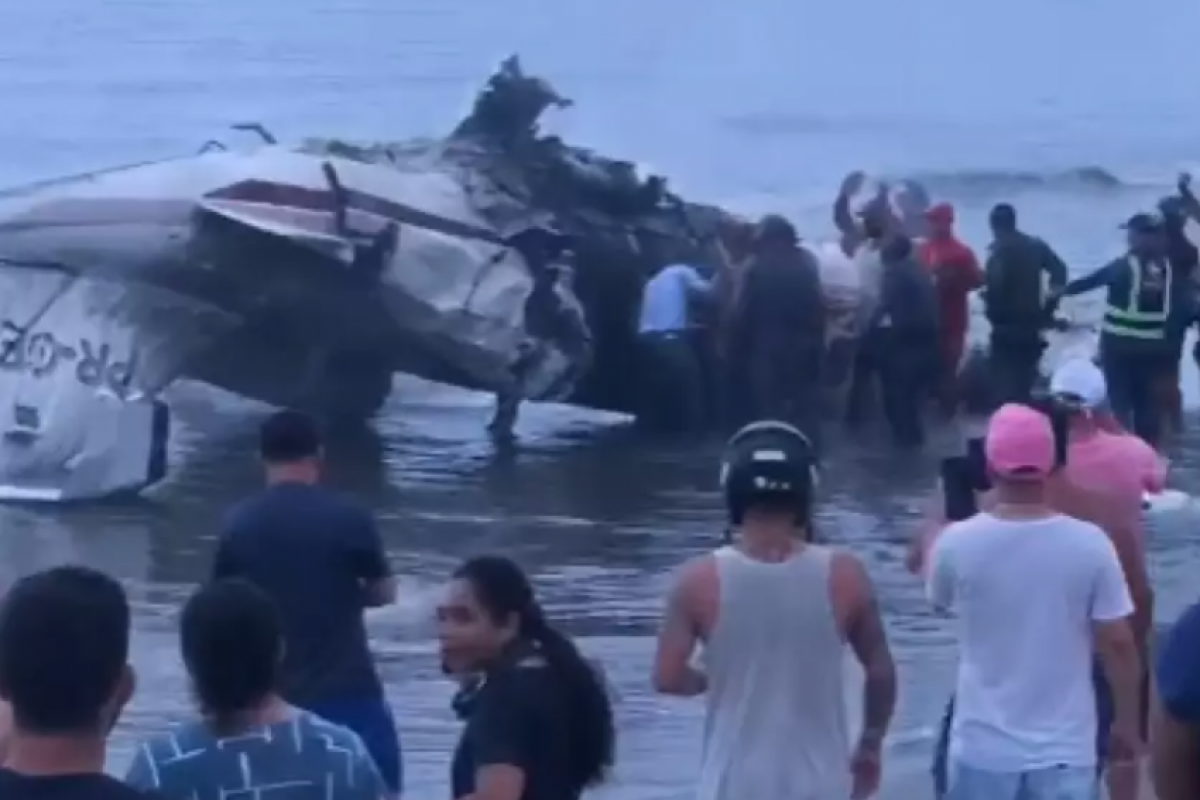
(1034, 592)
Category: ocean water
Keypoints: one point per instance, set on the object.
(1074, 111)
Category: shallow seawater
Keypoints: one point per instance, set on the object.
(761, 110)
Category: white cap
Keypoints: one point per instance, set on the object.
(1080, 378)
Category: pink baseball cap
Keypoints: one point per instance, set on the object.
(1020, 443)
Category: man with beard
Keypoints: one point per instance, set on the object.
(780, 329)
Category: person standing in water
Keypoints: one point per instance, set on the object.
(538, 721)
(548, 318)
(863, 237)
(671, 377)
(774, 612)
(905, 334)
(1103, 481)
(321, 561)
(1016, 267)
(1033, 592)
(1136, 336)
(1184, 258)
(780, 327)
(956, 273)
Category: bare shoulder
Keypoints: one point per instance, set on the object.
(849, 582)
(693, 576)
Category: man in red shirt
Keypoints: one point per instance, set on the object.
(957, 273)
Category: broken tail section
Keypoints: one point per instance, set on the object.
(82, 363)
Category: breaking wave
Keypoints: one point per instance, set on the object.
(1000, 181)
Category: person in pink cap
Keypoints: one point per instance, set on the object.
(1033, 591)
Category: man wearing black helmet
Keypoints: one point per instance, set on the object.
(774, 612)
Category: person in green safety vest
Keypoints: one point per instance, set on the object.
(1145, 304)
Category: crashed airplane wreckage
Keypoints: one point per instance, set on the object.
(307, 276)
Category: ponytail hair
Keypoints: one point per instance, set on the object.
(503, 590)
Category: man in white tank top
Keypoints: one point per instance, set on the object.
(774, 613)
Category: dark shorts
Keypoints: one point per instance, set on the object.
(372, 720)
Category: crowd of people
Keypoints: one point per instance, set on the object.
(1039, 555)
(754, 341)
(288, 700)
(1042, 566)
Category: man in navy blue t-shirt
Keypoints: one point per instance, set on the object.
(321, 560)
(1175, 735)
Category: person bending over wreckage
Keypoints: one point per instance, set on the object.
(549, 316)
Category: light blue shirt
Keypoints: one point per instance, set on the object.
(665, 299)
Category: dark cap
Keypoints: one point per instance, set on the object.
(1143, 222)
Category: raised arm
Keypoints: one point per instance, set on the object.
(1191, 205)
(843, 217)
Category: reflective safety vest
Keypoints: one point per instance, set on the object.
(1142, 314)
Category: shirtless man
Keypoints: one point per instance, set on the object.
(774, 612)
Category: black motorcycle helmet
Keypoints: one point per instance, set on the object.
(768, 464)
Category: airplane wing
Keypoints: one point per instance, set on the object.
(82, 362)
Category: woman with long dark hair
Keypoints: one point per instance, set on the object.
(538, 721)
(247, 738)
